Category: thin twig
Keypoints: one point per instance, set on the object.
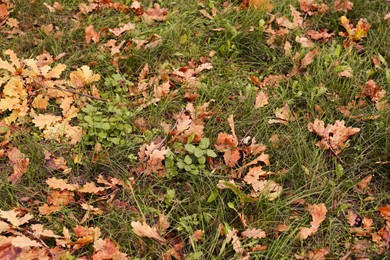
(79, 93)
(42, 243)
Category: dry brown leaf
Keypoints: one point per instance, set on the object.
(318, 254)
(198, 235)
(385, 211)
(45, 120)
(106, 249)
(304, 41)
(261, 99)
(333, 136)
(19, 163)
(90, 187)
(91, 34)
(12, 216)
(162, 224)
(45, 209)
(61, 184)
(283, 115)
(308, 59)
(363, 184)
(373, 91)
(259, 4)
(253, 233)
(318, 213)
(144, 230)
(347, 73)
(320, 35)
(156, 13)
(60, 197)
(118, 31)
(23, 241)
(352, 217)
(343, 5)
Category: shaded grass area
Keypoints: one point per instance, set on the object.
(313, 175)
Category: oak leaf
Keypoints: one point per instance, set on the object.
(261, 99)
(12, 216)
(19, 163)
(61, 184)
(198, 235)
(144, 230)
(23, 241)
(343, 5)
(106, 249)
(385, 211)
(91, 34)
(253, 233)
(283, 115)
(83, 76)
(45, 120)
(308, 59)
(90, 187)
(118, 31)
(333, 136)
(318, 214)
(156, 13)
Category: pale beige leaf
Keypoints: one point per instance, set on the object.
(309, 57)
(23, 241)
(144, 230)
(261, 99)
(45, 120)
(61, 184)
(254, 233)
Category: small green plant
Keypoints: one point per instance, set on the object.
(118, 84)
(193, 160)
(106, 123)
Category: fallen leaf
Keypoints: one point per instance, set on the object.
(318, 213)
(363, 184)
(320, 35)
(156, 13)
(118, 31)
(308, 59)
(347, 73)
(12, 216)
(61, 184)
(373, 91)
(198, 235)
(90, 187)
(333, 136)
(343, 5)
(261, 99)
(283, 115)
(144, 230)
(253, 233)
(385, 211)
(23, 241)
(19, 163)
(91, 34)
(106, 249)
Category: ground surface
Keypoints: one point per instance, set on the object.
(194, 129)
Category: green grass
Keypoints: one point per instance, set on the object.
(313, 175)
